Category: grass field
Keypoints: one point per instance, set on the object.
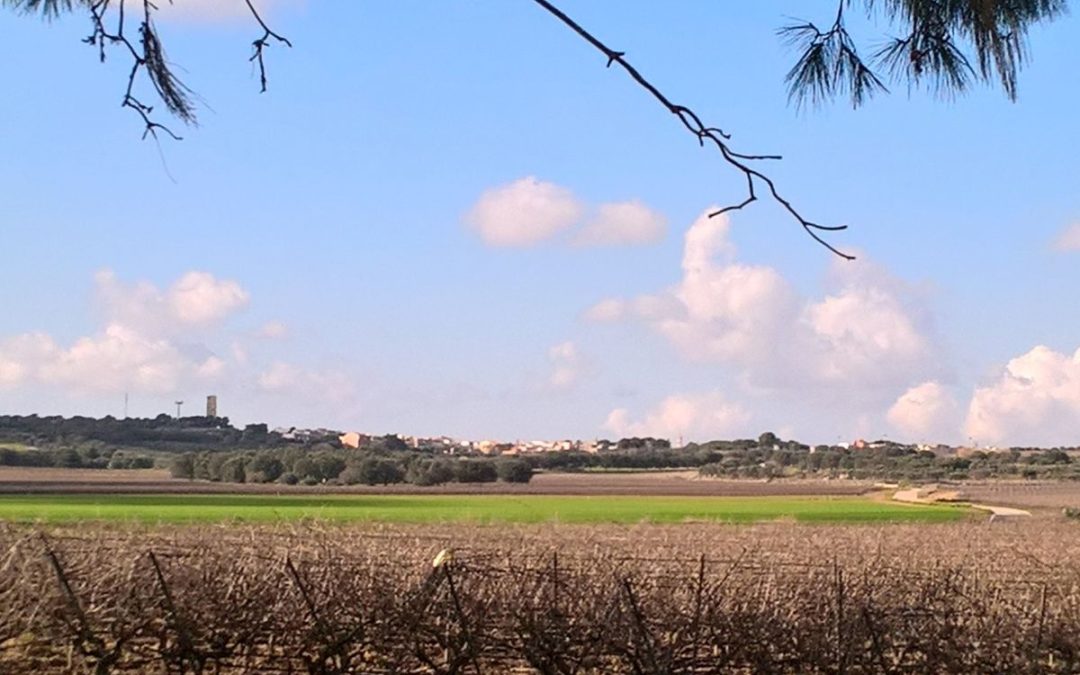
(461, 508)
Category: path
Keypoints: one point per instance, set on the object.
(911, 496)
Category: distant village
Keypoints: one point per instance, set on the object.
(454, 446)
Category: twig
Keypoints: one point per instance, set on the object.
(639, 622)
(150, 59)
(261, 43)
(88, 643)
(469, 645)
(188, 652)
(692, 122)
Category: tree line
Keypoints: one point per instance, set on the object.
(294, 466)
(891, 462)
(162, 433)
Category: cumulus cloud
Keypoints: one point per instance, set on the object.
(144, 345)
(530, 211)
(868, 332)
(1036, 401)
(697, 417)
(160, 343)
(860, 329)
(609, 309)
(115, 360)
(11, 373)
(212, 368)
(194, 300)
(524, 212)
(622, 223)
(197, 297)
(926, 412)
(1068, 240)
(22, 356)
(565, 364)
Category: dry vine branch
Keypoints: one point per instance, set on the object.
(703, 133)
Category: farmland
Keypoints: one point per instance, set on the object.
(556, 598)
(572, 573)
(39, 480)
(418, 508)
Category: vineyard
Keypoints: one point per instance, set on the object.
(309, 598)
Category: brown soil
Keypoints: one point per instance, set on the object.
(1044, 496)
(16, 480)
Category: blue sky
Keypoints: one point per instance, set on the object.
(451, 218)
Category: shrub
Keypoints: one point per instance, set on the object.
(475, 471)
(232, 471)
(141, 462)
(429, 472)
(372, 471)
(514, 470)
(68, 458)
(303, 467)
(288, 478)
(330, 464)
(120, 460)
(263, 468)
(183, 466)
(214, 464)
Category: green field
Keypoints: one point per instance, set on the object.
(178, 508)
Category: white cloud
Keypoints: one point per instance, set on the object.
(197, 297)
(218, 11)
(1068, 239)
(1036, 401)
(212, 368)
(11, 373)
(622, 223)
(926, 412)
(161, 343)
(292, 380)
(566, 365)
(530, 211)
(869, 333)
(22, 356)
(524, 213)
(116, 360)
(610, 309)
(137, 349)
(272, 330)
(866, 333)
(698, 417)
(194, 300)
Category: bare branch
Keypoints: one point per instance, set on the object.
(147, 55)
(703, 133)
(261, 43)
(150, 60)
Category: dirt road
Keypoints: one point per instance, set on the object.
(912, 496)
